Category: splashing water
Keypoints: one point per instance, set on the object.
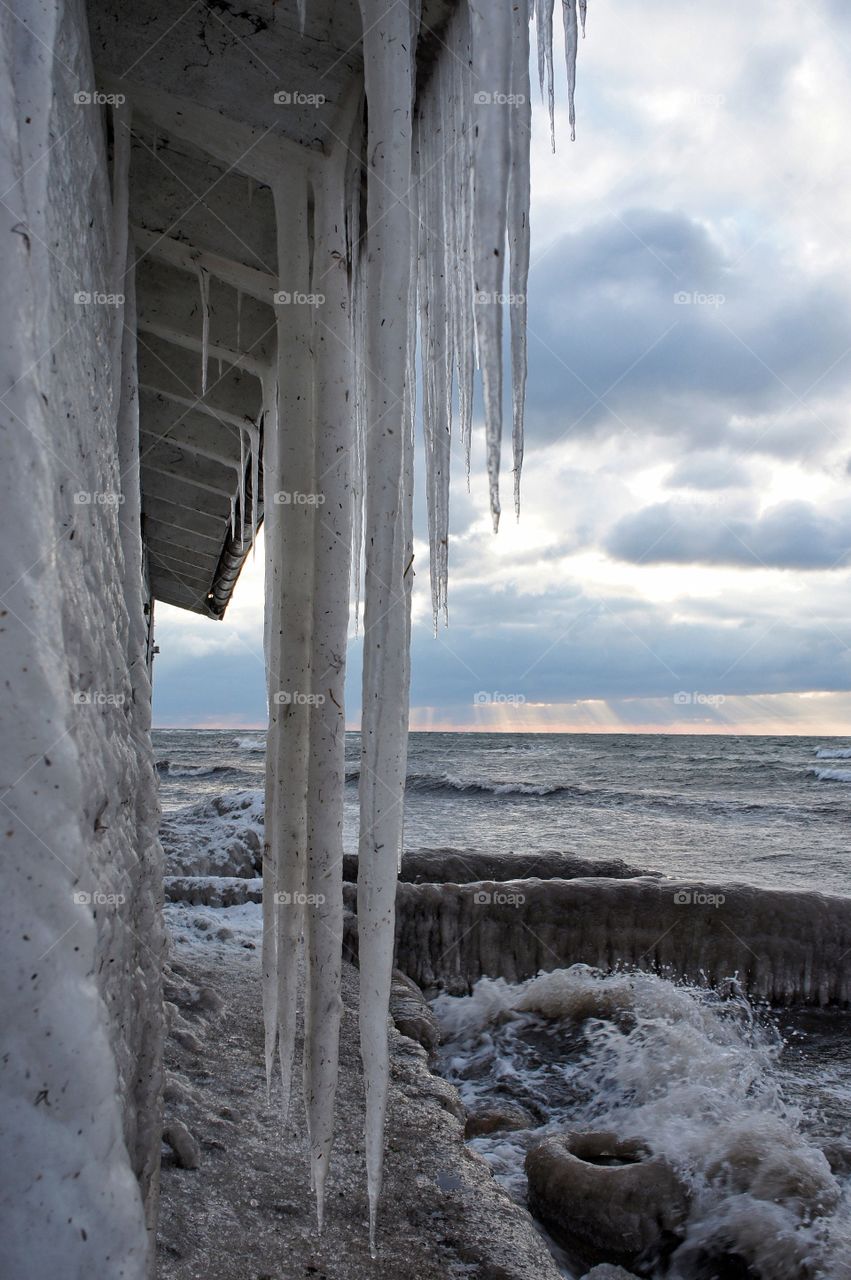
(698, 1075)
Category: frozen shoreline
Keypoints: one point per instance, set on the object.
(245, 1211)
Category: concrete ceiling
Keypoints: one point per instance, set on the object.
(223, 99)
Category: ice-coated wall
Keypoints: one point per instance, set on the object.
(780, 945)
(80, 932)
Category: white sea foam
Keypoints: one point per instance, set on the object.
(250, 744)
(833, 753)
(695, 1076)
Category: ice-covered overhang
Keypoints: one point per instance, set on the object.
(223, 99)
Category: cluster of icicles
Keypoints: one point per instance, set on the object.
(447, 188)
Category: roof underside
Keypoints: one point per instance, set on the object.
(208, 135)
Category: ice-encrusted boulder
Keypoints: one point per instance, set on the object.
(606, 1199)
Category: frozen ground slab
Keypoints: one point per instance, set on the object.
(246, 1213)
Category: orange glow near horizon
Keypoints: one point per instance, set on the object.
(817, 715)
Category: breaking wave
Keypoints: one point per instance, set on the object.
(194, 770)
(833, 775)
(696, 1076)
(833, 753)
(250, 744)
(449, 784)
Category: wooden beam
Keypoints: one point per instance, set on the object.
(187, 257)
(262, 154)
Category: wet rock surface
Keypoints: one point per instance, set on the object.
(247, 1213)
(505, 1117)
(412, 1014)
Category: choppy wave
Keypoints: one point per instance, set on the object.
(833, 775)
(696, 1077)
(833, 753)
(483, 786)
(170, 770)
(250, 744)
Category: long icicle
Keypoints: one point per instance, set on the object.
(334, 403)
(492, 33)
(290, 639)
(389, 41)
(204, 285)
(519, 199)
(571, 44)
(271, 825)
(544, 37)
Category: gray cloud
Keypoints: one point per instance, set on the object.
(604, 323)
(709, 471)
(791, 535)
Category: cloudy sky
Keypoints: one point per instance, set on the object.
(683, 559)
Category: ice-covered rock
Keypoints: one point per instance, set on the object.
(606, 1199)
(218, 837)
(213, 891)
